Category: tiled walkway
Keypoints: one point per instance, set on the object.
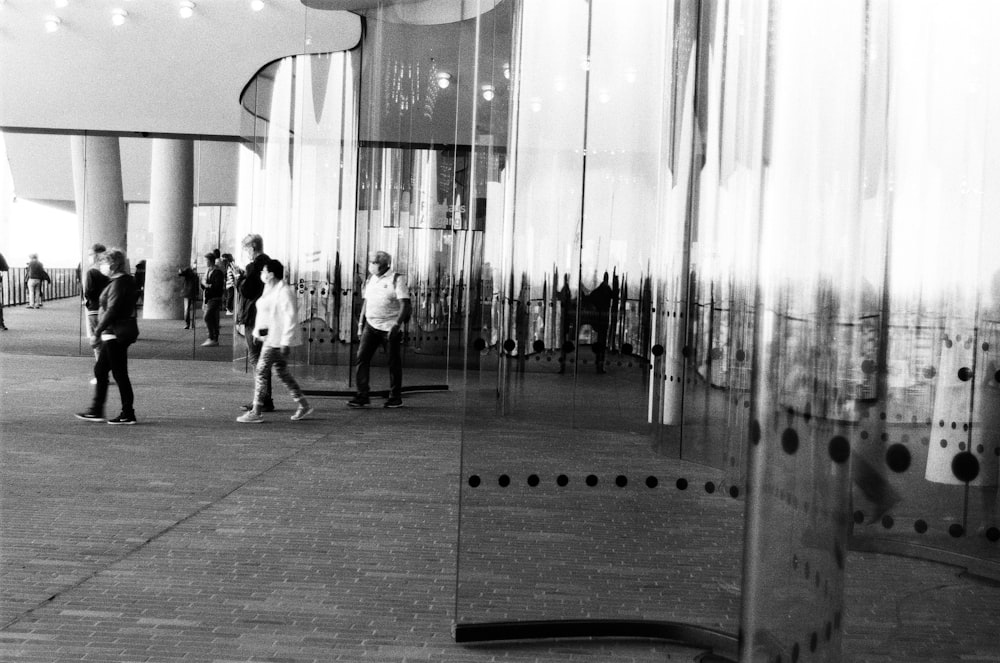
(192, 538)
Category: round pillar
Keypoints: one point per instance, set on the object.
(171, 222)
(97, 185)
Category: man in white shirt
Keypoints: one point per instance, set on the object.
(384, 310)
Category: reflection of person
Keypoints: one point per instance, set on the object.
(566, 318)
(214, 285)
(599, 302)
(385, 309)
(34, 277)
(231, 271)
(189, 291)
(276, 328)
(250, 287)
(140, 279)
(115, 331)
(3, 272)
(94, 282)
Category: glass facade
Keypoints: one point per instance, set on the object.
(735, 266)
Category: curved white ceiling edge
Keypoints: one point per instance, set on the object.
(413, 12)
(157, 73)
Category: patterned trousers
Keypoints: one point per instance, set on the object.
(272, 358)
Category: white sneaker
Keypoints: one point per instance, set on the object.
(209, 344)
(249, 417)
(303, 412)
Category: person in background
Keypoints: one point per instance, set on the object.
(276, 328)
(116, 329)
(34, 277)
(250, 287)
(189, 291)
(385, 308)
(229, 267)
(3, 271)
(214, 285)
(140, 279)
(93, 285)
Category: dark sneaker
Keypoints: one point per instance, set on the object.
(359, 401)
(89, 416)
(394, 402)
(123, 419)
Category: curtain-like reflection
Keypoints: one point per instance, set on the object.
(299, 189)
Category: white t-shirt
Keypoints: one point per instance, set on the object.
(382, 296)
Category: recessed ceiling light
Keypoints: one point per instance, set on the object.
(256, 5)
(118, 16)
(61, 3)
(187, 8)
(52, 23)
(488, 92)
(443, 79)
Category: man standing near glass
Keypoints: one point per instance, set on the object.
(385, 308)
(250, 287)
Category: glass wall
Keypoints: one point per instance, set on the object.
(716, 302)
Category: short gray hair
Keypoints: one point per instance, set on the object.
(254, 241)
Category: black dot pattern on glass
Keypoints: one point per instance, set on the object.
(956, 531)
(538, 346)
(790, 441)
(568, 347)
(840, 449)
(898, 458)
(509, 345)
(621, 481)
(993, 534)
(627, 349)
(965, 374)
(920, 526)
(591, 480)
(503, 481)
(657, 350)
(533, 480)
(652, 482)
(709, 487)
(474, 481)
(755, 432)
(479, 344)
(562, 480)
(965, 466)
(682, 484)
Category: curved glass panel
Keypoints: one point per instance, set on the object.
(298, 190)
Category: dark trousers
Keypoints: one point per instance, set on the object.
(371, 340)
(213, 308)
(113, 358)
(189, 311)
(253, 355)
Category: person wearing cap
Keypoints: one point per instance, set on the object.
(214, 285)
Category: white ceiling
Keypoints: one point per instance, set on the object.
(157, 73)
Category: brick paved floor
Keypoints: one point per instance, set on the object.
(192, 538)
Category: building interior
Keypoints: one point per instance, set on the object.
(756, 237)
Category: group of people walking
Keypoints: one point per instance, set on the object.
(267, 319)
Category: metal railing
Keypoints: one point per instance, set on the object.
(65, 282)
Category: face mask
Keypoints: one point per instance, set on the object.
(373, 268)
(264, 275)
(105, 268)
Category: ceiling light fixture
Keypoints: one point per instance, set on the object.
(443, 79)
(488, 92)
(506, 70)
(187, 8)
(52, 23)
(60, 4)
(118, 16)
(257, 5)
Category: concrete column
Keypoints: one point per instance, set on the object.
(97, 185)
(171, 223)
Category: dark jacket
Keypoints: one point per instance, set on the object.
(191, 286)
(214, 284)
(250, 288)
(36, 270)
(94, 283)
(118, 314)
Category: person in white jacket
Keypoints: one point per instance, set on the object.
(275, 327)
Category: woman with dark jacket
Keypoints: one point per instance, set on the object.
(116, 330)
